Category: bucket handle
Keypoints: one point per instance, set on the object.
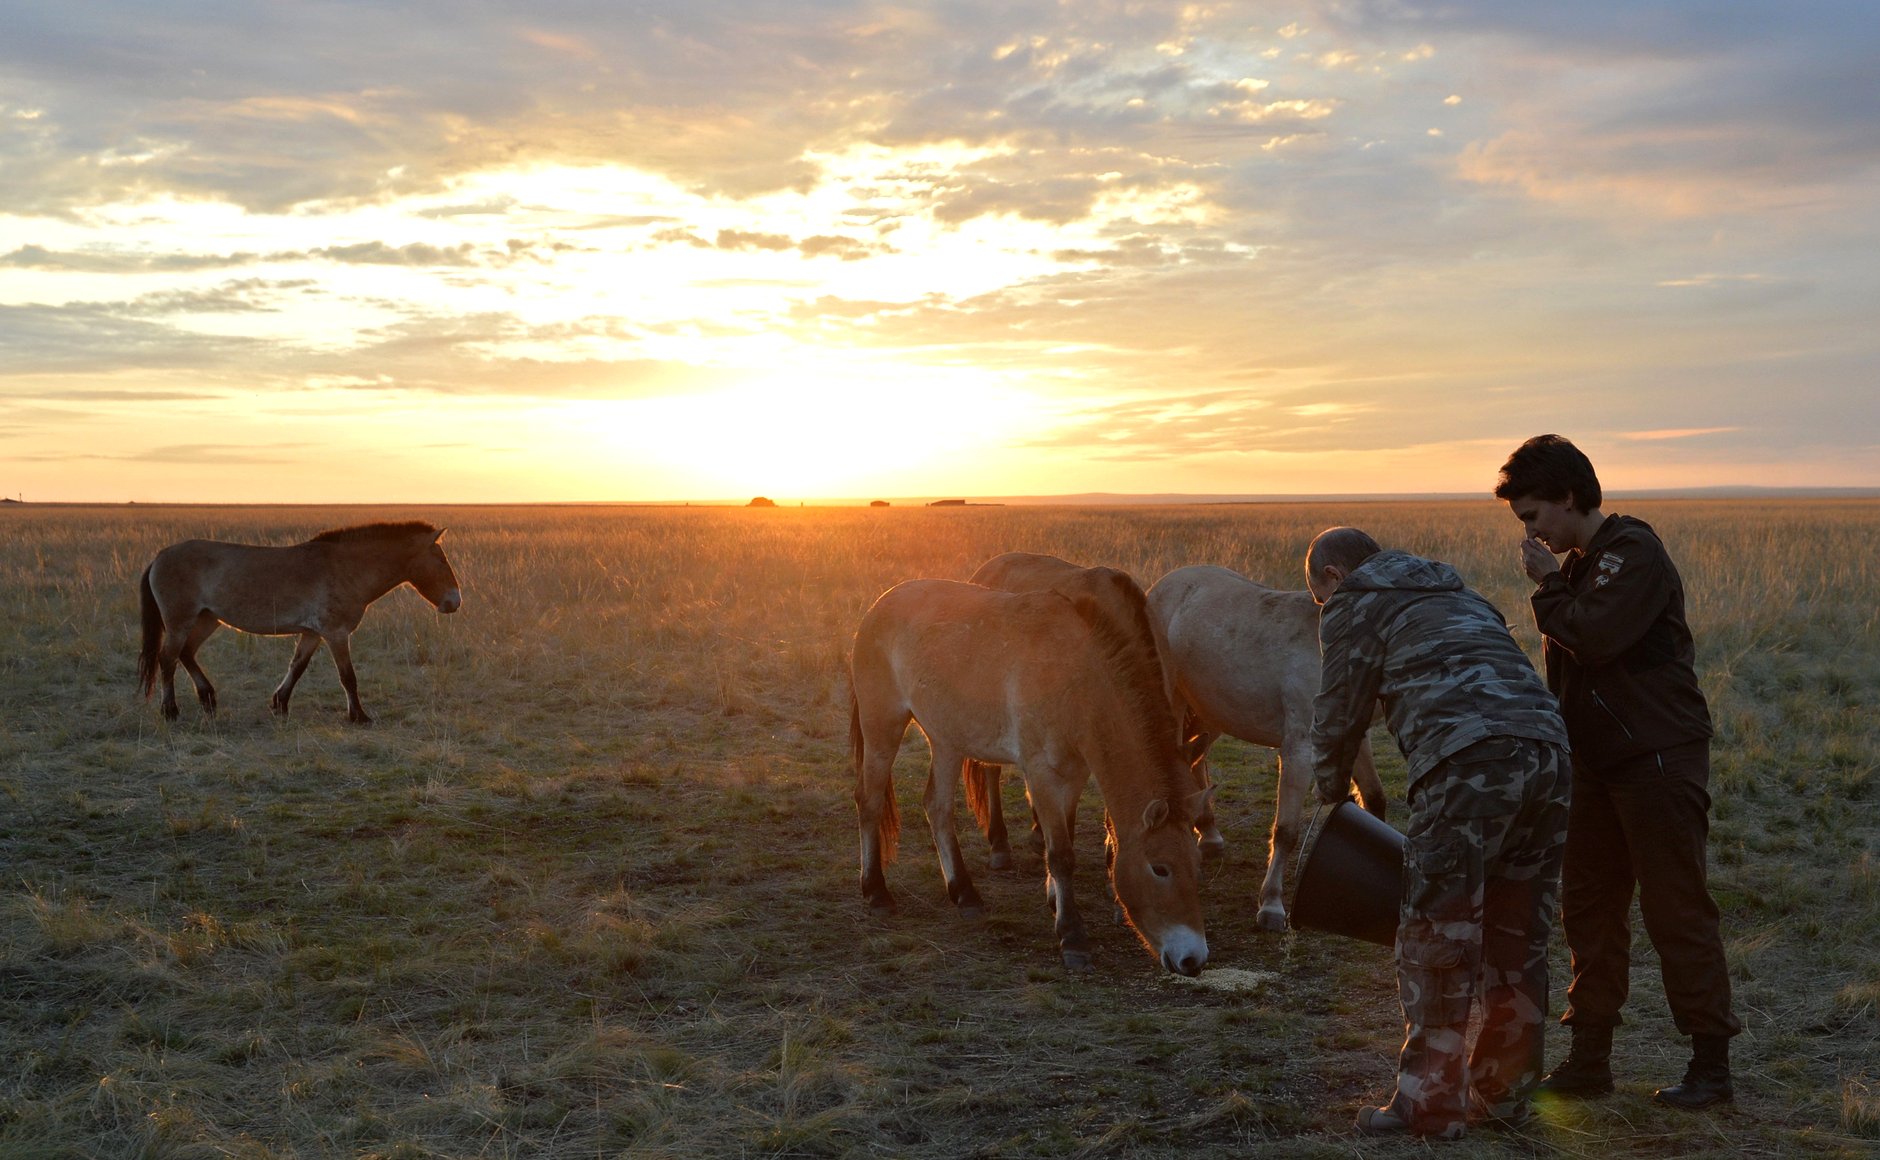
(1321, 814)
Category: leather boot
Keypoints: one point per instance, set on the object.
(1706, 1081)
(1586, 1072)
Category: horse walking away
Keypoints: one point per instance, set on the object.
(1037, 572)
(1244, 660)
(318, 591)
(1043, 681)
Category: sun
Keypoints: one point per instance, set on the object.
(808, 436)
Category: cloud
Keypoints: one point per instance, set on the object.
(33, 257)
(370, 253)
(414, 254)
(95, 339)
(189, 454)
(447, 356)
(107, 395)
(1674, 433)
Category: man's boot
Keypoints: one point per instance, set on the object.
(1706, 1081)
(1586, 1072)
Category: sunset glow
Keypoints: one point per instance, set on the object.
(704, 254)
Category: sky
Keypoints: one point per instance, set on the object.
(451, 251)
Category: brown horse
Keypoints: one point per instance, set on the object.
(1036, 572)
(1245, 662)
(318, 590)
(1045, 682)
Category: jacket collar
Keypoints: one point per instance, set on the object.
(1576, 559)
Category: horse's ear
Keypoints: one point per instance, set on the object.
(440, 535)
(1198, 802)
(1155, 813)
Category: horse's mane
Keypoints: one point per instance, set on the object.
(1118, 614)
(378, 531)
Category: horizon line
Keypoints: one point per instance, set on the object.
(1070, 499)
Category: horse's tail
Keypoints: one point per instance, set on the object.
(888, 826)
(153, 636)
(977, 789)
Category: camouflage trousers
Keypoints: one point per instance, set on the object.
(1480, 887)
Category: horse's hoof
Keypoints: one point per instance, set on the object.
(1272, 918)
(171, 712)
(278, 705)
(1000, 860)
(1077, 962)
(361, 719)
(972, 913)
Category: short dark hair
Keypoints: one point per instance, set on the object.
(1345, 548)
(1550, 467)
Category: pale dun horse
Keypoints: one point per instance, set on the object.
(1037, 572)
(1042, 681)
(317, 591)
(1244, 659)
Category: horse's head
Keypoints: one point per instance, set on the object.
(433, 577)
(1156, 872)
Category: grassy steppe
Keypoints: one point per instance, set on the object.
(588, 887)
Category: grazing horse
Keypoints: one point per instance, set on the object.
(318, 590)
(1043, 681)
(1244, 659)
(1036, 572)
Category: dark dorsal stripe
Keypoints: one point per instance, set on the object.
(378, 531)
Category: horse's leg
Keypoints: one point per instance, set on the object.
(1054, 804)
(340, 644)
(1364, 773)
(996, 835)
(983, 794)
(1207, 831)
(1295, 766)
(876, 742)
(942, 780)
(304, 648)
(202, 630)
(167, 656)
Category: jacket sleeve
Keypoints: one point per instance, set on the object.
(1351, 669)
(1614, 611)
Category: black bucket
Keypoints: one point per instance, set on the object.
(1349, 875)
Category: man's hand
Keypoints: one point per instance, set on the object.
(1537, 561)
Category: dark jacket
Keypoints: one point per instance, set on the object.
(1406, 631)
(1618, 650)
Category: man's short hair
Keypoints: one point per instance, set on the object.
(1345, 548)
(1550, 467)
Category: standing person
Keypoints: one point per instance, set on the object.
(1620, 658)
(1486, 752)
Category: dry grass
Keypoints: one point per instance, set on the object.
(588, 886)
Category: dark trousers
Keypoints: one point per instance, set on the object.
(1643, 825)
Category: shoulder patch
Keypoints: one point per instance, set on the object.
(1609, 564)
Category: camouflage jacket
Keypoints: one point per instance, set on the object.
(1406, 631)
